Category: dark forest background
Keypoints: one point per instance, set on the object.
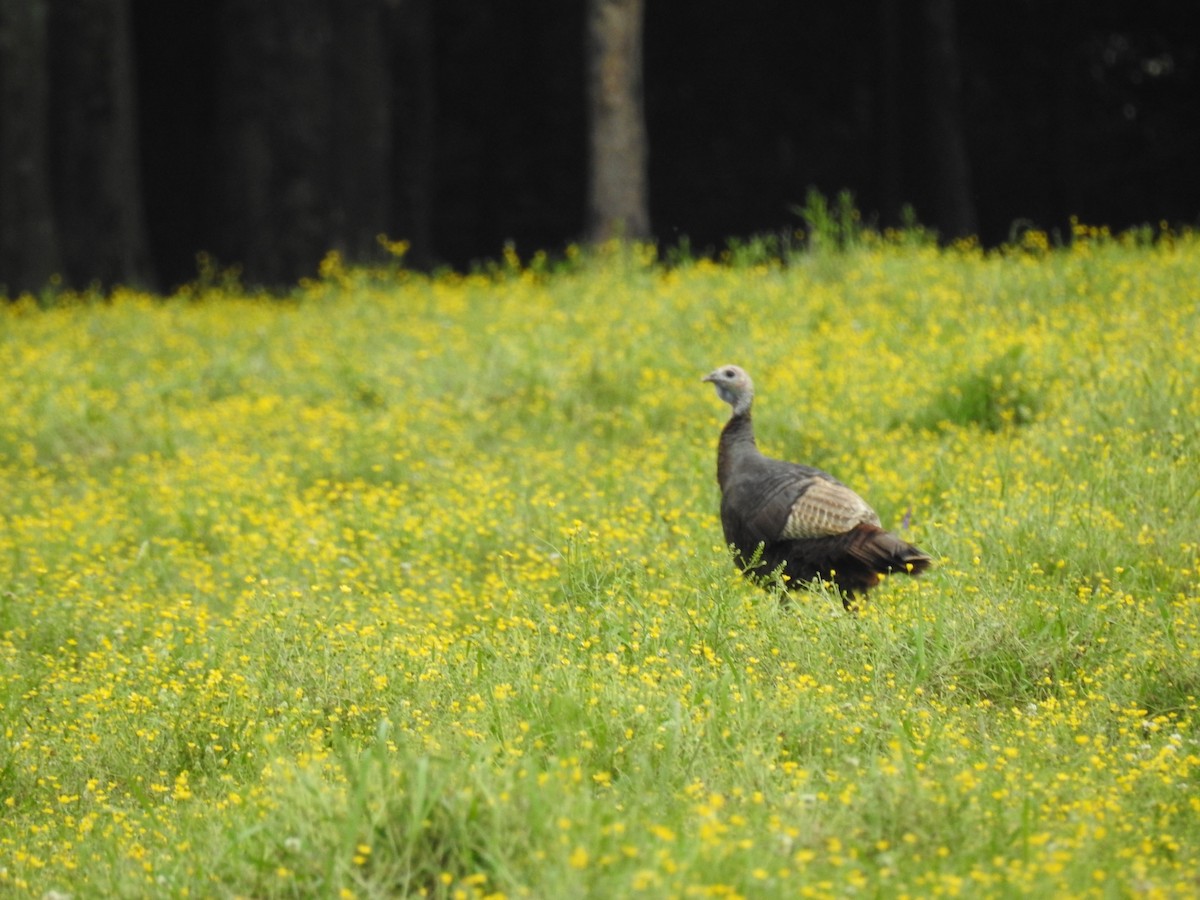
(135, 134)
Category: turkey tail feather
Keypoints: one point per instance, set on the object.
(882, 551)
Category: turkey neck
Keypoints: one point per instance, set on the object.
(737, 441)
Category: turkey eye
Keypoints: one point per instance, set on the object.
(729, 373)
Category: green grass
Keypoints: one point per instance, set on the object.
(414, 586)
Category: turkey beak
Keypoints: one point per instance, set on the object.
(711, 376)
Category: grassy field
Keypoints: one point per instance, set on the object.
(414, 586)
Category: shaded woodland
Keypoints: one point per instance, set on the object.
(136, 134)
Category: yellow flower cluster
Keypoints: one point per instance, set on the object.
(414, 585)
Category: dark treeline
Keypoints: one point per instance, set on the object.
(135, 134)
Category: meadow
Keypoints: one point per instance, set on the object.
(414, 585)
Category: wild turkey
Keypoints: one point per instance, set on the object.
(804, 520)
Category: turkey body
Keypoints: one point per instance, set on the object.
(782, 515)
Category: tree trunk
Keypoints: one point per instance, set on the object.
(245, 218)
(950, 170)
(304, 134)
(890, 145)
(97, 168)
(361, 129)
(413, 128)
(273, 115)
(617, 178)
(29, 251)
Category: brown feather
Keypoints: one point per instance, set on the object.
(826, 507)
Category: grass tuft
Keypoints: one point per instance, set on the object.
(998, 396)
